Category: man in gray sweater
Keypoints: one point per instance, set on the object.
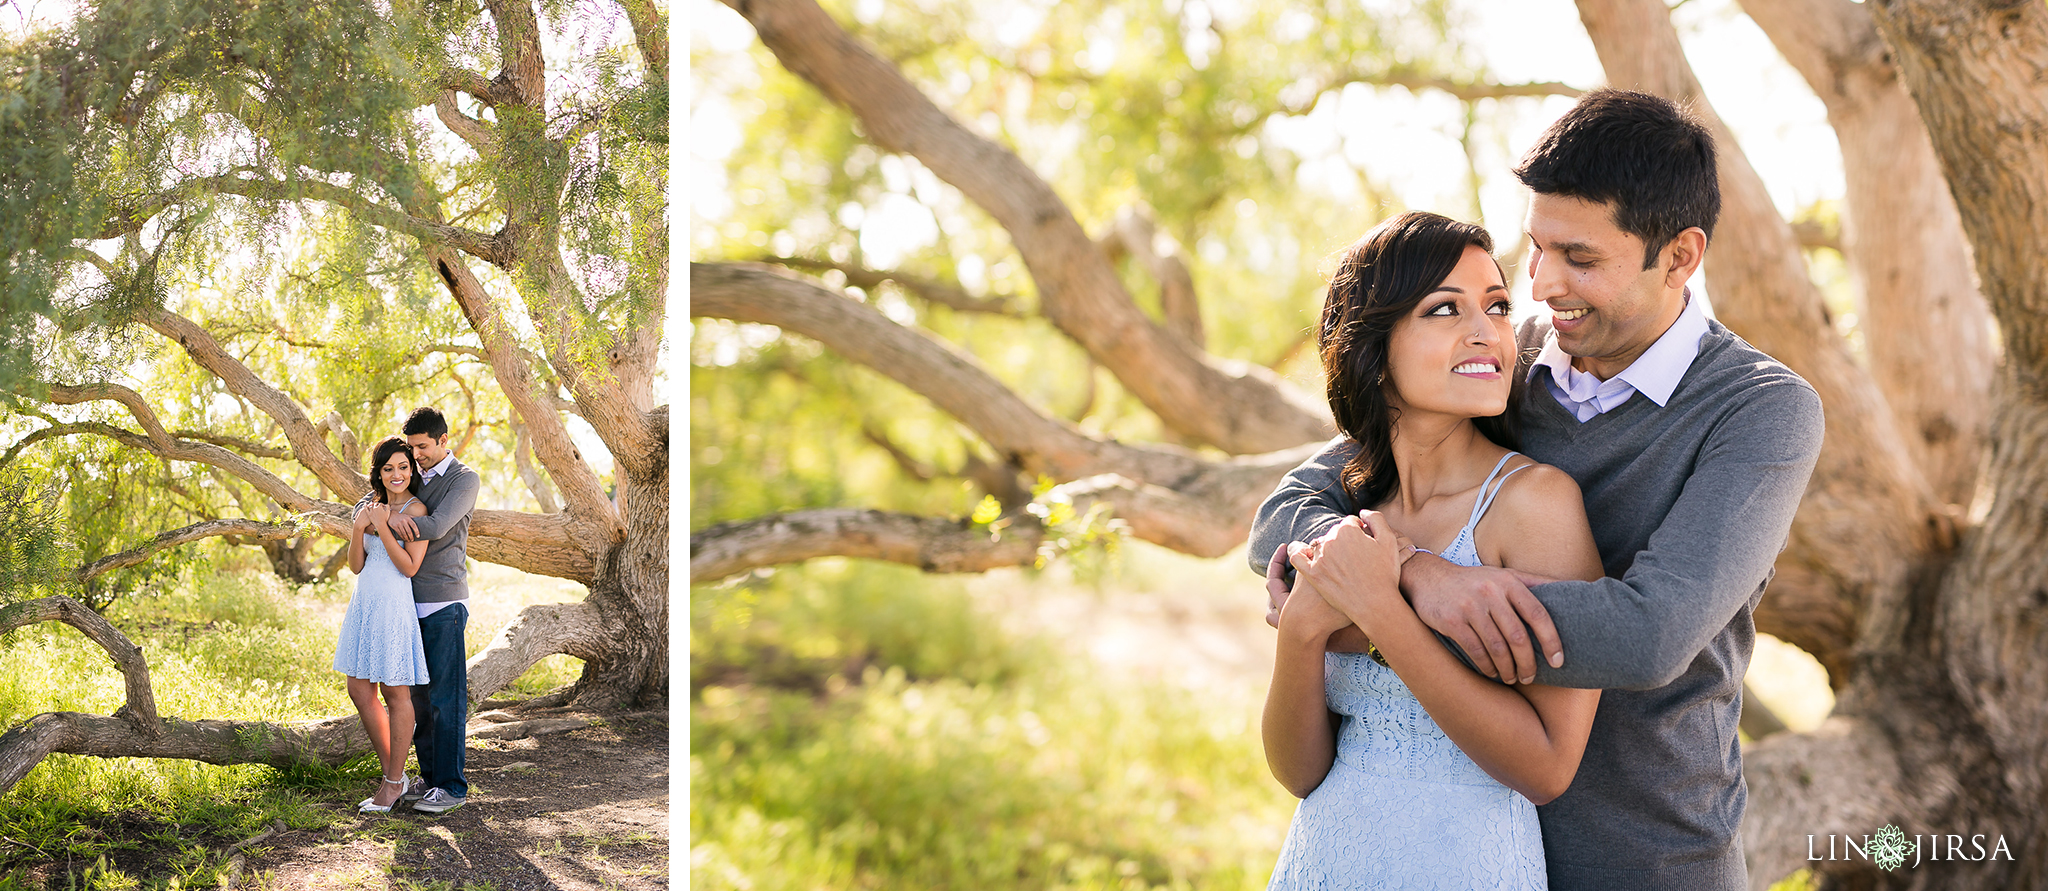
(1692, 449)
(440, 593)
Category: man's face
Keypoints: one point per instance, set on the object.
(427, 450)
(1606, 308)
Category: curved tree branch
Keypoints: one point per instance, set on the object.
(1238, 408)
(478, 134)
(495, 249)
(331, 516)
(307, 445)
(584, 495)
(482, 88)
(331, 742)
(251, 530)
(1133, 233)
(538, 632)
(247, 447)
(61, 394)
(351, 448)
(934, 544)
(139, 707)
(946, 294)
(952, 379)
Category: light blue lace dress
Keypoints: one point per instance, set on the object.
(1403, 807)
(380, 634)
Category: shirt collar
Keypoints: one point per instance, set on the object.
(447, 461)
(1658, 370)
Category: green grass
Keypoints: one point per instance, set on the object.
(889, 735)
(220, 645)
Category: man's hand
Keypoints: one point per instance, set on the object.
(403, 528)
(1489, 613)
(1276, 581)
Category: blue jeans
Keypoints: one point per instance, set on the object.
(441, 708)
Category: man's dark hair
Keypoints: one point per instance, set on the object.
(426, 420)
(1641, 154)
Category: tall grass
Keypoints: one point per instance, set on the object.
(890, 734)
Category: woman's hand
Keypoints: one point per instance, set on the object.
(378, 514)
(1358, 564)
(362, 519)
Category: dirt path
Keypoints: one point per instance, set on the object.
(584, 809)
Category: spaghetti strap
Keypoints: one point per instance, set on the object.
(1486, 496)
(1463, 550)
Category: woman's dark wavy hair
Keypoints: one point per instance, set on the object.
(383, 453)
(1379, 281)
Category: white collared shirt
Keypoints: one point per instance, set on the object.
(447, 460)
(1654, 374)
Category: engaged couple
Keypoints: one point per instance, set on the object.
(403, 631)
(1515, 597)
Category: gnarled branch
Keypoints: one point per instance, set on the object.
(251, 530)
(946, 294)
(1233, 406)
(496, 249)
(952, 379)
(1133, 233)
(580, 487)
(934, 544)
(139, 706)
(539, 631)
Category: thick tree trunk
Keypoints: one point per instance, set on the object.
(1867, 510)
(1954, 677)
(1903, 241)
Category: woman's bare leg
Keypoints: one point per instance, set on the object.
(376, 724)
(399, 720)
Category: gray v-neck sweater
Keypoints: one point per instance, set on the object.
(1690, 504)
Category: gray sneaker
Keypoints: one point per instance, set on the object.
(438, 801)
(414, 791)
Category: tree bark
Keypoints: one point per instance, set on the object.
(1949, 715)
(932, 544)
(1868, 514)
(1903, 241)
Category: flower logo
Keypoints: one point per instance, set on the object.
(1888, 848)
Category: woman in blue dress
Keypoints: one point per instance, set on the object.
(1416, 772)
(379, 647)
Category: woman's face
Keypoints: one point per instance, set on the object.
(1453, 353)
(396, 473)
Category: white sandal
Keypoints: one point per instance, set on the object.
(370, 805)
